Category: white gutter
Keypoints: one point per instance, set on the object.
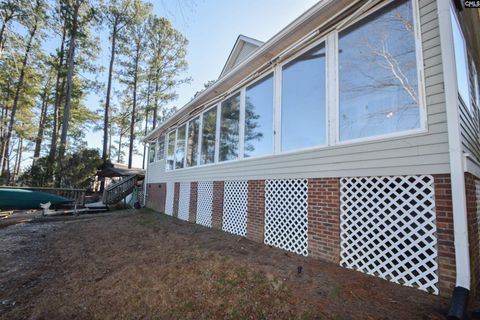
(260, 51)
(460, 223)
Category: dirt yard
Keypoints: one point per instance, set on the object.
(145, 265)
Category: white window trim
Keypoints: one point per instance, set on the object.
(453, 12)
(166, 150)
(157, 149)
(241, 125)
(279, 97)
(332, 134)
(422, 101)
(253, 83)
(200, 129)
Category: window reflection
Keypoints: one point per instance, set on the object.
(192, 150)
(161, 148)
(208, 136)
(180, 147)
(170, 151)
(229, 128)
(259, 118)
(303, 100)
(378, 74)
(151, 152)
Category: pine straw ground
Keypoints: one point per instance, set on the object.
(145, 265)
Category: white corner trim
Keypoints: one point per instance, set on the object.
(460, 223)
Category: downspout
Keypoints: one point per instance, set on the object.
(145, 180)
(459, 300)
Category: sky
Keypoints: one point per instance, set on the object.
(212, 27)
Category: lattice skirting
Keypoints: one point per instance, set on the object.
(388, 229)
(286, 215)
(235, 207)
(169, 198)
(184, 201)
(204, 203)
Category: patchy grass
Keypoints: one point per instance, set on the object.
(141, 264)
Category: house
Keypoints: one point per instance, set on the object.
(351, 136)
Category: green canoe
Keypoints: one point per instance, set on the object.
(27, 199)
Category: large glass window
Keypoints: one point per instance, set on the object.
(151, 152)
(192, 141)
(170, 151)
(259, 118)
(180, 147)
(229, 128)
(161, 148)
(378, 74)
(303, 100)
(209, 127)
(460, 59)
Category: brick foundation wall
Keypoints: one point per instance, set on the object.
(446, 247)
(217, 205)
(324, 219)
(256, 210)
(176, 195)
(192, 216)
(473, 239)
(156, 195)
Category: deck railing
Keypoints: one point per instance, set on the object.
(77, 195)
(119, 190)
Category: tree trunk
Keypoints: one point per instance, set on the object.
(68, 97)
(119, 154)
(18, 160)
(147, 109)
(19, 88)
(155, 107)
(2, 32)
(59, 85)
(134, 108)
(41, 124)
(109, 89)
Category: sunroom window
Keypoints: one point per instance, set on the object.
(259, 118)
(461, 59)
(170, 151)
(180, 147)
(378, 79)
(192, 142)
(161, 148)
(303, 100)
(229, 128)
(209, 128)
(151, 152)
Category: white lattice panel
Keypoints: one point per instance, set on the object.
(235, 207)
(184, 201)
(169, 198)
(388, 229)
(286, 215)
(204, 203)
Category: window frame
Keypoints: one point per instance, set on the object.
(253, 83)
(422, 105)
(174, 149)
(241, 127)
(332, 128)
(278, 93)
(154, 151)
(454, 15)
(157, 152)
